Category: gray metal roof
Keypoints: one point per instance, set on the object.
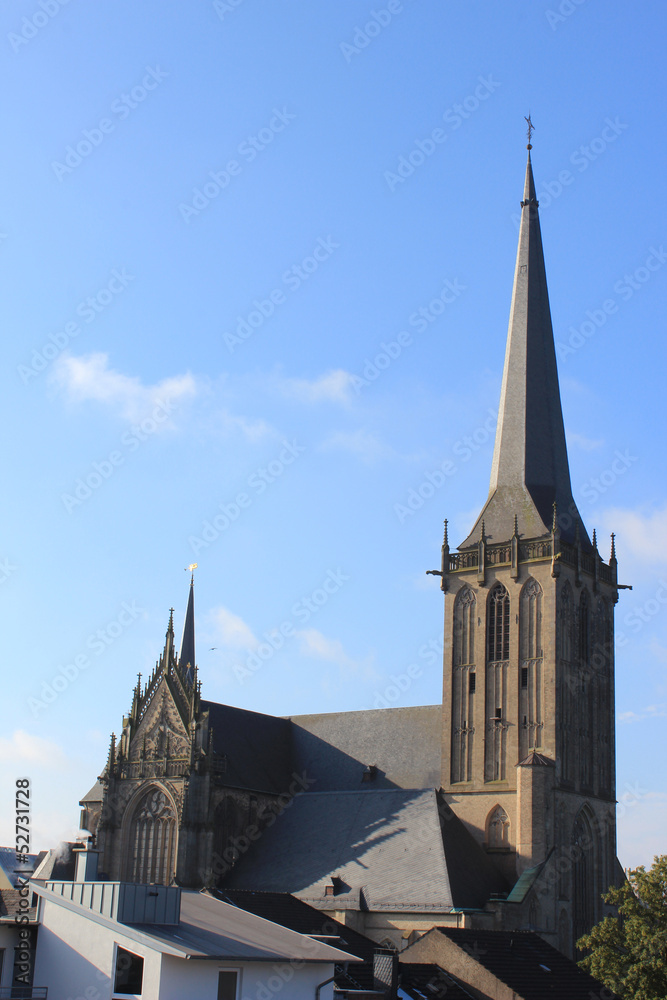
(211, 929)
(395, 849)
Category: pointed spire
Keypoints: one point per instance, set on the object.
(168, 653)
(530, 466)
(595, 540)
(613, 548)
(186, 659)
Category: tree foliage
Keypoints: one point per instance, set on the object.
(628, 952)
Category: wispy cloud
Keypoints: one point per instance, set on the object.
(641, 532)
(361, 443)
(231, 631)
(648, 712)
(23, 748)
(583, 442)
(89, 377)
(333, 387)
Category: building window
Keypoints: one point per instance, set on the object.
(228, 984)
(463, 685)
(498, 632)
(128, 980)
(531, 693)
(152, 840)
(497, 665)
(498, 830)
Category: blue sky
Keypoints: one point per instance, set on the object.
(216, 217)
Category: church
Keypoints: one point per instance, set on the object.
(494, 810)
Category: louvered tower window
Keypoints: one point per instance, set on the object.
(497, 665)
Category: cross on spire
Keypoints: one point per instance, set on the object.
(529, 130)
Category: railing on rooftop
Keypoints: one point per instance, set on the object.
(24, 992)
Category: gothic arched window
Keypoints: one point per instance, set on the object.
(584, 873)
(464, 680)
(531, 715)
(497, 665)
(498, 829)
(151, 853)
(498, 625)
(567, 687)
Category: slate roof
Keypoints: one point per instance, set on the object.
(389, 848)
(10, 871)
(403, 743)
(430, 982)
(527, 964)
(10, 906)
(257, 747)
(58, 864)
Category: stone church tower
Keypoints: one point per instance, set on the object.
(494, 810)
(528, 711)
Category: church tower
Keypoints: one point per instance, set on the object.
(528, 713)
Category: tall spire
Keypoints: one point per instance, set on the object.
(530, 469)
(187, 655)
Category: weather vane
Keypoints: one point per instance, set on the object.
(191, 568)
(529, 130)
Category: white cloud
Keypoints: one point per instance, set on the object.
(641, 533)
(361, 443)
(89, 377)
(648, 712)
(583, 442)
(232, 631)
(22, 750)
(253, 430)
(332, 387)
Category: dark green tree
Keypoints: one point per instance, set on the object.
(628, 952)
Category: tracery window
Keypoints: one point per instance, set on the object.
(152, 840)
(584, 880)
(463, 685)
(498, 829)
(531, 694)
(567, 687)
(497, 665)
